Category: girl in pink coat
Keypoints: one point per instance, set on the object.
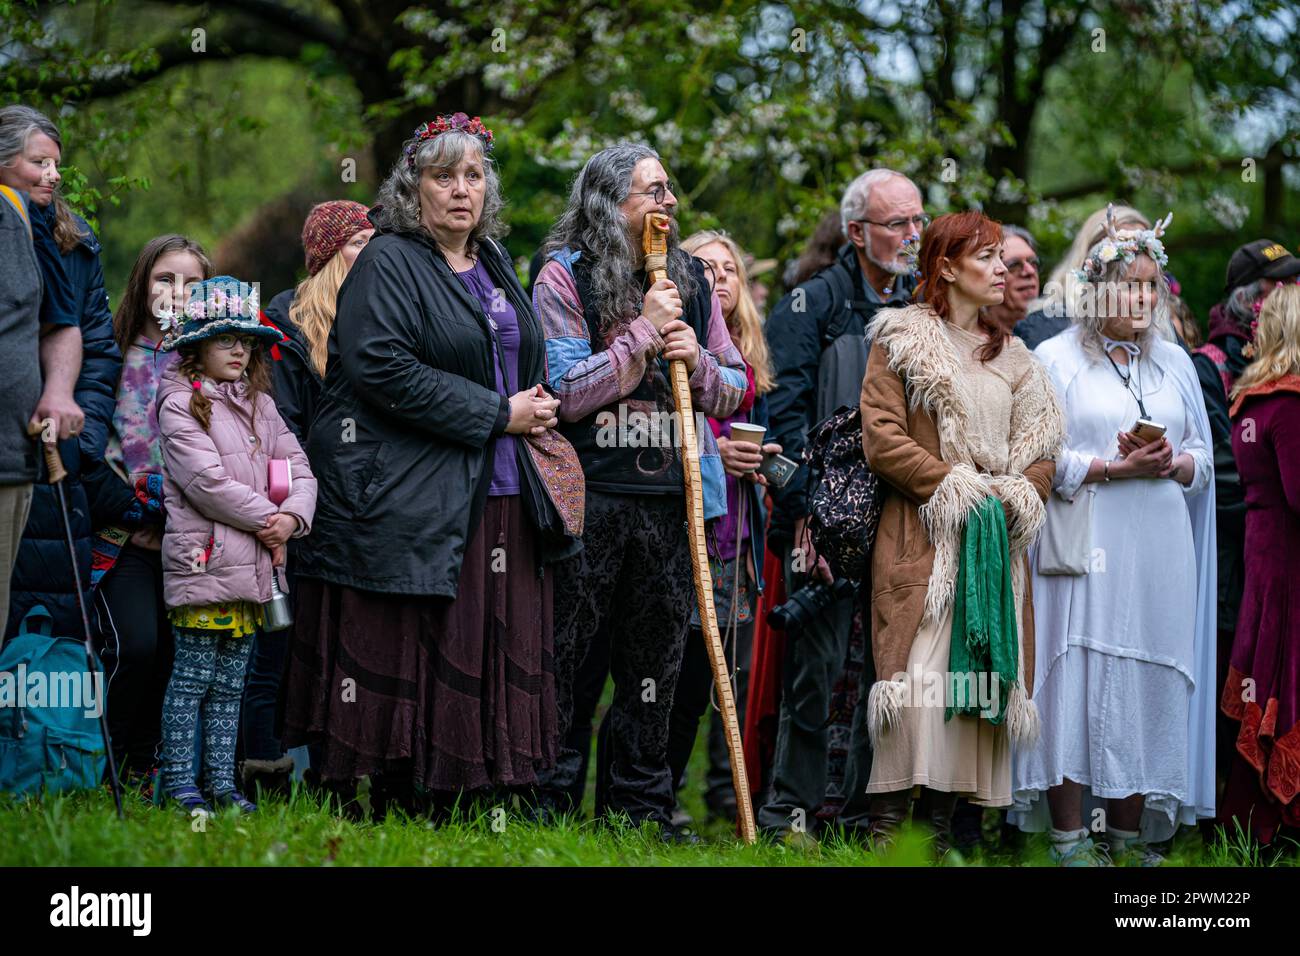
(225, 538)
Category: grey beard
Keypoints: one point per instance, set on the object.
(893, 267)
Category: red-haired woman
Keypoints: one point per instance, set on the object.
(954, 413)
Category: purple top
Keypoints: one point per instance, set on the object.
(135, 445)
(505, 341)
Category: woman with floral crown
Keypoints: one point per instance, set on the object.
(422, 655)
(1124, 577)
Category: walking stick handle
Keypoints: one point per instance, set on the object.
(53, 463)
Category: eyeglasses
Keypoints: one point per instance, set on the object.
(658, 192)
(227, 342)
(1017, 266)
(898, 225)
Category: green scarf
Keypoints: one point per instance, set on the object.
(985, 643)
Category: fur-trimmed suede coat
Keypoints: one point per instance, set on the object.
(915, 430)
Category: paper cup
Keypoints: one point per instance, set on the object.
(748, 433)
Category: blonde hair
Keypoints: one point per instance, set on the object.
(314, 304)
(1277, 340)
(744, 324)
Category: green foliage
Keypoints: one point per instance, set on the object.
(763, 111)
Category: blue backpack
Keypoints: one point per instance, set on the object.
(49, 729)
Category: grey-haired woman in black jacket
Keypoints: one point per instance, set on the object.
(422, 651)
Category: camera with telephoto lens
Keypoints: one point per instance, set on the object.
(806, 603)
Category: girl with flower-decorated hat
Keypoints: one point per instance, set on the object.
(225, 538)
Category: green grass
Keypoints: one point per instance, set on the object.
(81, 829)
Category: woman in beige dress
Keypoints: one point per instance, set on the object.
(953, 411)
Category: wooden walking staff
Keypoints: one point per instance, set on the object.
(654, 241)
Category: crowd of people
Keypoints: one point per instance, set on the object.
(1079, 602)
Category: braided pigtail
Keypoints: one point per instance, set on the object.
(200, 404)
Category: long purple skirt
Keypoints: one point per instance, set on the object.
(459, 694)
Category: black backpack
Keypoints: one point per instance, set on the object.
(844, 495)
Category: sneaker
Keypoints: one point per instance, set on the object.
(800, 840)
(1137, 853)
(1083, 853)
(680, 818)
(187, 799)
(679, 835)
(233, 798)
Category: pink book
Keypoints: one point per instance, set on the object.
(279, 479)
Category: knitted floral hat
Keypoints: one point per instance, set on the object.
(329, 226)
(217, 306)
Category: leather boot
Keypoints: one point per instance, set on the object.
(941, 809)
(886, 813)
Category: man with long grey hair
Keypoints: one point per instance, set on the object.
(609, 339)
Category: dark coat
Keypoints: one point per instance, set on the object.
(294, 381)
(1229, 493)
(401, 444)
(42, 574)
(1037, 327)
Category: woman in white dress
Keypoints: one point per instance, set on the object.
(1124, 601)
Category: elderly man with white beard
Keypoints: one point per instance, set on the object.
(816, 337)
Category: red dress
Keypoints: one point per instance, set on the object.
(1263, 686)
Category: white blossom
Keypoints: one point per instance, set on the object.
(668, 135)
(794, 169)
(1226, 211)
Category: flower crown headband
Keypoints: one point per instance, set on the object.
(445, 123)
(1124, 245)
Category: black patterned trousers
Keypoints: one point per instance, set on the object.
(630, 587)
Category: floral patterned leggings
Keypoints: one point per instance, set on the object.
(207, 678)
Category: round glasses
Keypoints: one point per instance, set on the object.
(227, 342)
(657, 193)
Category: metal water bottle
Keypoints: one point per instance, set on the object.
(276, 613)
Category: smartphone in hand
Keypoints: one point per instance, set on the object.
(777, 469)
(1147, 431)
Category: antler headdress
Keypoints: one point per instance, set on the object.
(1126, 244)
